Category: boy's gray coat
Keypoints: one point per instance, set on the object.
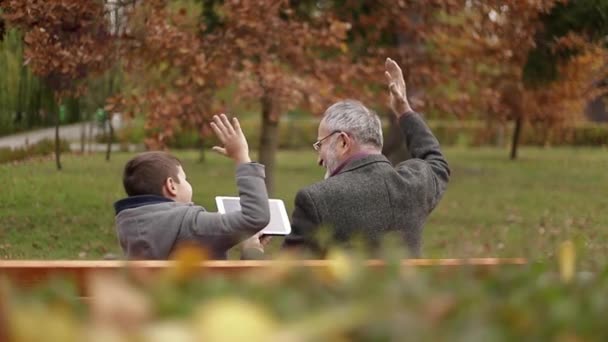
(154, 231)
(369, 197)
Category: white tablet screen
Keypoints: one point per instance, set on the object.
(279, 223)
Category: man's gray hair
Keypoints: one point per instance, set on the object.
(352, 117)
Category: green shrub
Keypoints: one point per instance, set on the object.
(42, 148)
(132, 133)
(300, 133)
(292, 135)
(185, 139)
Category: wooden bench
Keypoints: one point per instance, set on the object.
(29, 273)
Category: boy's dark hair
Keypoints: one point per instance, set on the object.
(146, 173)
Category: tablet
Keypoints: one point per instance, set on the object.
(279, 223)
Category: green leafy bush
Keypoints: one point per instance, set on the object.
(42, 148)
(301, 133)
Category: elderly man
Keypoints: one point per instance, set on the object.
(363, 195)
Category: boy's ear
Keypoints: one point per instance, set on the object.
(169, 187)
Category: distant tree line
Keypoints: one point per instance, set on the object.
(527, 62)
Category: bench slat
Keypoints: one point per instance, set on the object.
(29, 273)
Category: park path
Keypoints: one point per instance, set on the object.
(71, 133)
(68, 132)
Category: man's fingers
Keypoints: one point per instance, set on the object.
(389, 65)
(393, 68)
(396, 74)
(219, 150)
(395, 89)
(389, 79)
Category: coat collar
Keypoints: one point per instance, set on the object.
(363, 161)
(138, 201)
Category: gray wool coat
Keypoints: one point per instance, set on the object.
(369, 197)
(152, 227)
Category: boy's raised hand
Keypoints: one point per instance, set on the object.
(232, 137)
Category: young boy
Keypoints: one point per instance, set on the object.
(159, 214)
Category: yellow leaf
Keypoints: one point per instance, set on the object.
(215, 321)
(187, 261)
(340, 267)
(567, 261)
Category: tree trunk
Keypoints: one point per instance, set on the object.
(75, 114)
(83, 136)
(269, 141)
(109, 118)
(110, 138)
(57, 142)
(201, 150)
(90, 137)
(516, 135)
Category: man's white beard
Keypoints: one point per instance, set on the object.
(330, 163)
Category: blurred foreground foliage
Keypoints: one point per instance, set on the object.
(343, 301)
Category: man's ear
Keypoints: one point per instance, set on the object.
(346, 141)
(169, 187)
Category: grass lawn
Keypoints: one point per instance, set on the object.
(493, 206)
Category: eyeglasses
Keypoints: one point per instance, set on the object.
(317, 145)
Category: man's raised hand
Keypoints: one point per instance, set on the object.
(396, 86)
(232, 138)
